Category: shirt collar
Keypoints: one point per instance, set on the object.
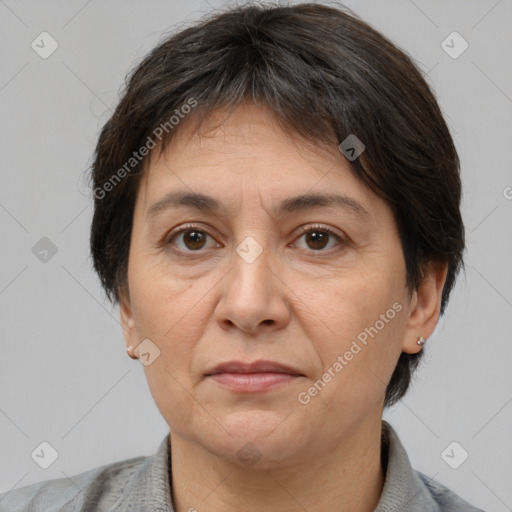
(403, 488)
(150, 489)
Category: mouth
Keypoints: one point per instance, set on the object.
(253, 377)
(253, 382)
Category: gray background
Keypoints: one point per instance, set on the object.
(64, 375)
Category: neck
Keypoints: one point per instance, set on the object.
(346, 478)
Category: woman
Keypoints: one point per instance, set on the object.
(277, 213)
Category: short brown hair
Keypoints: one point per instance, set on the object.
(325, 74)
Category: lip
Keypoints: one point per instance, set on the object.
(260, 366)
(253, 382)
(254, 377)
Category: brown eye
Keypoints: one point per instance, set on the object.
(188, 239)
(194, 239)
(317, 238)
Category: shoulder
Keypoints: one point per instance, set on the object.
(407, 489)
(105, 482)
(446, 499)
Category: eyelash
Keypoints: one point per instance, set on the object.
(193, 227)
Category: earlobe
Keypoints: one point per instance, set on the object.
(425, 308)
(127, 321)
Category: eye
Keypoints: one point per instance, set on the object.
(193, 238)
(318, 237)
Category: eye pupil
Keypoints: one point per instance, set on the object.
(317, 237)
(196, 237)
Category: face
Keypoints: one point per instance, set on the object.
(317, 287)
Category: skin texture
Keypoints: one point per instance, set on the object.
(301, 302)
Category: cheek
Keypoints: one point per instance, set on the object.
(347, 305)
(172, 315)
(362, 322)
(171, 312)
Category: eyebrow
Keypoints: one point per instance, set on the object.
(294, 204)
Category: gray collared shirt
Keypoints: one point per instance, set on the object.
(142, 484)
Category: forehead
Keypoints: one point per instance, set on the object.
(248, 152)
(224, 135)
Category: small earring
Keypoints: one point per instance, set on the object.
(421, 341)
(131, 353)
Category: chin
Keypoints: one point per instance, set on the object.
(257, 439)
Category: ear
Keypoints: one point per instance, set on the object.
(425, 307)
(127, 321)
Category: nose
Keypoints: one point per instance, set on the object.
(253, 296)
